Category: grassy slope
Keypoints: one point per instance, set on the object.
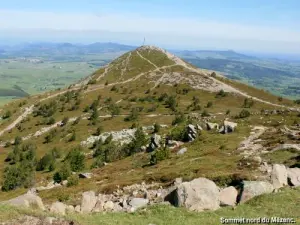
(204, 157)
(263, 206)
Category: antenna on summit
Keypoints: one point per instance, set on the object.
(144, 41)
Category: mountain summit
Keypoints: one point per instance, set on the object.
(157, 66)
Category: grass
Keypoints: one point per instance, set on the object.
(270, 205)
(212, 155)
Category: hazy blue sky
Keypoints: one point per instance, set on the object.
(252, 25)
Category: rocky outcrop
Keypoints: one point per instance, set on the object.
(58, 208)
(192, 132)
(228, 127)
(88, 201)
(279, 176)
(198, 195)
(27, 200)
(228, 196)
(294, 176)
(251, 189)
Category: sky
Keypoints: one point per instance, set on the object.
(254, 25)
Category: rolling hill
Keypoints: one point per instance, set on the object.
(113, 125)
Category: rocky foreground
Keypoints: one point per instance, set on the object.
(197, 195)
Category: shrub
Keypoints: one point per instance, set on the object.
(73, 137)
(20, 175)
(98, 163)
(159, 155)
(134, 114)
(18, 140)
(213, 74)
(7, 115)
(73, 181)
(63, 173)
(114, 110)
(98, 131)
(171, 103)
(179, 133)
(76, 159)
(138, 141)
(156, 128)
(248, 103)
(179, 118)
(205, 114)
(51, 121)
(209, 105)
(244, 114)
(45, 162)
(221, 94)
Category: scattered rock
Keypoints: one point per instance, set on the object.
(70, 209)
(228, 196)
(77, 208)
(58, 208)
(294, 176)
(279, 176)
(228, 127)
(109, 206)
(198, 195)
(137, 203)
(88, 201)
(212, 126)
(250, 189)
(182, 151)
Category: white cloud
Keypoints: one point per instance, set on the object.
(172, 28)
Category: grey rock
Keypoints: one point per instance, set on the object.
(88, 201)
(182, 151)
(198, 195)
(294, 176)
(252, 189)
(138, 202)
(279, 176)
(228, 196)
(27, 200)
(109, 206)
(58, 208)
(212, 126)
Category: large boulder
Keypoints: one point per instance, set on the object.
(251, 189)
(228, 196)
(58, 208)
(198, 195)
(294, 176)
(279, 176)
(137, 203)
(27, 200)
(88, 201)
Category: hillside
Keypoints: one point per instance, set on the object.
(148, 116)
